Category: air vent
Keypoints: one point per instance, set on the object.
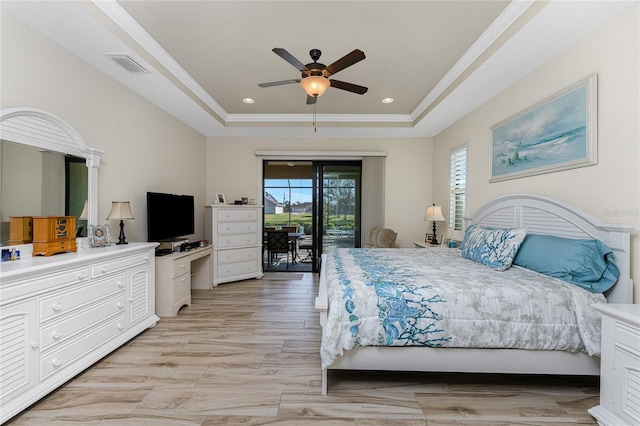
(126, 62)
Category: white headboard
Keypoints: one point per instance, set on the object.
(543, 215)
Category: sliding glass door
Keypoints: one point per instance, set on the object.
(320, 198)
(337, 204)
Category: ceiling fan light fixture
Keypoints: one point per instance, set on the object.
(315, 85)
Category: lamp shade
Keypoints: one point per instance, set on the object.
(434, 213)
(120, 210)
(315, 85)
(85, 211)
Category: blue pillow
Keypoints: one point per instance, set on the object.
(586, 263)
(494, 247)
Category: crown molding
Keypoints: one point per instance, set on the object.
(121, 18)
(501, 24)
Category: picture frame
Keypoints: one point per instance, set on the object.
(557, 133)
(245, 200)
(99, 235)
(220, 199)
(429, 238)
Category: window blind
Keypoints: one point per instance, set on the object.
(458, 187)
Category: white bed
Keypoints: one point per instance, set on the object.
(540, 215)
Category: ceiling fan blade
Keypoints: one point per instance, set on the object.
(349, 87)
(311, 100)
(289, 58)
(278, 83)
(346, 61)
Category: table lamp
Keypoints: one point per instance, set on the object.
(433, 213)
(120, 210)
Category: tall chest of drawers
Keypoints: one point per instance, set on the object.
(235, 232)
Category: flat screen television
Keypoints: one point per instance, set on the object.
(169, 216)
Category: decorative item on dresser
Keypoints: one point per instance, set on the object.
(61, 314)
(120, 210)
(53, 234)
(620, 366)
(236, 235)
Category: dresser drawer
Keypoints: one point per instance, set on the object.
(238, 268)
(66, 329)
(238, 255)
(239, 240)
(236, 215)
(59, 360)
(627, 336)
(225, 228)
(181, 267)
(64, 301)
(112, 266)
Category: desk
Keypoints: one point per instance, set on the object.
(177, 273)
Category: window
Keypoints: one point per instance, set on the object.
(458, 188)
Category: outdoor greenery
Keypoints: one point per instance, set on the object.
(304, 221)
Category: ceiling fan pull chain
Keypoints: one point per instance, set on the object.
(314, 118)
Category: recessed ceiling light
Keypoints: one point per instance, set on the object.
(387, 100)
(248, 100)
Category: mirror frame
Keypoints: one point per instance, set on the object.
(41, 129)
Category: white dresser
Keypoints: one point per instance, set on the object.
(620, 366)
(236, 235)
(60, 314)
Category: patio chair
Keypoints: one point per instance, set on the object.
(278, 243)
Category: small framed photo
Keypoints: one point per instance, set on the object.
(429, 238)
(220, 198)
(245, 200)
(99, 235)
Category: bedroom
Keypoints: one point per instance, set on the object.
(141, 141)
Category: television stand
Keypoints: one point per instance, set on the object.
(177, 273)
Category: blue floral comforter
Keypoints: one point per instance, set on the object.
(437, 298)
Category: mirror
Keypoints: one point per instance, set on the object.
(47, 169)
(36, 182)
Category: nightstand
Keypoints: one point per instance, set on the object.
(619, 366)
(420, 244)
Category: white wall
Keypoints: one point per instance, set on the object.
(233, 169)
(146, 149)
(609, 190)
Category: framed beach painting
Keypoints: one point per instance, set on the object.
(555, 134)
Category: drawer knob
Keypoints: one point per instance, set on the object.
(57, 362)
(182, 280)
(120, 284)
(228, 228)
(182, 266)
(82, 277)
(104, 271)
(34, 344)
(57, 334)
(57, 307)
(120, 326)
(120, 305)
(146, 258)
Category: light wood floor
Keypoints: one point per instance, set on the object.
(246, 353)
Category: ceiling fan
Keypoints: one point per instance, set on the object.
(315, 76)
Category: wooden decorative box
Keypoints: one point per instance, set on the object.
(53, 234)
(20, 229)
